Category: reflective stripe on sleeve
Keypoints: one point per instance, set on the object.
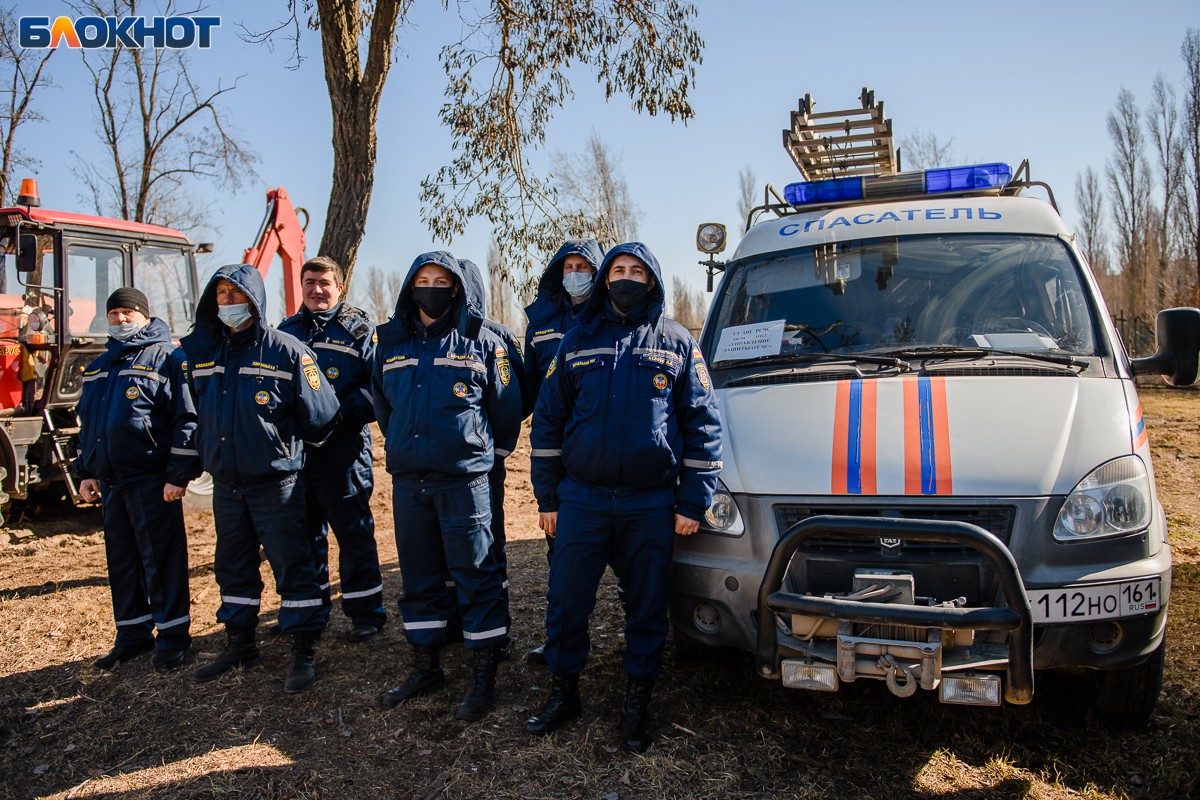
(595, 351)
(424, 626)
(137, 621)
(183, 451)
(142, 373)
(341, 348)
(370, 397)
(174, 622)
(492, 634)
(240, 601)
(503, 453)
(265, 373)
(546, 453)
(300, 603)
(351, 595)
(697, 464)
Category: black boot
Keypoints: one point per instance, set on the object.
(563, 706)
(240, 651)
(303, 671)
(635, 716)
(426, 676)
(482, 694)
(536, 658)
(119, 653)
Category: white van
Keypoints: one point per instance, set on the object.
(936, 471)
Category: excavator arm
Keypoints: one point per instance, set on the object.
(282, 233)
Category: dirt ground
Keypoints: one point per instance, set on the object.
(68, 730)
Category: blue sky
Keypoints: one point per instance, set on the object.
(1006, 80)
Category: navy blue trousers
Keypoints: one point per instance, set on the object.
(271, 515)
(448, 533)
(338, 497)
(499, 538)
(146, 546)
(593, 531)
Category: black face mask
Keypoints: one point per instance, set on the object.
(627, 295)
(433, 300)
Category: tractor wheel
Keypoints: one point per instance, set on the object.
(1126, 696)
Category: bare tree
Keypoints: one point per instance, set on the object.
(1189, 206)
(593, 188)
(924, 151)
(687, 305)
(506, 76)
(1093, 240)
(161, 130)
(747, 189)
(1162, 120)
(499, 292)
(1130, 184)
(27, 74)
(378, 297)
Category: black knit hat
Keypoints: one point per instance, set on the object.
(128, 297)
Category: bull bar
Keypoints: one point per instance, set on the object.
(1016, 616)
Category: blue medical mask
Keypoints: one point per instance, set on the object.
(123, 332)
(236, 315)
(578, 284)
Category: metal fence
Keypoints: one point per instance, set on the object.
(1136, 335)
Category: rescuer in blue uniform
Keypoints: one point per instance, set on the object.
(136, 422)
(446, 400)
(260, 396)
(626, 445)
(338, 478)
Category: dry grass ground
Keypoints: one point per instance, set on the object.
(68, 730)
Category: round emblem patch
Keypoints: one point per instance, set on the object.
(131, 392)
(332, 372)
(262, 398)
(660, 381)
(460, 389)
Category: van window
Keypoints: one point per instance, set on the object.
(999, 291)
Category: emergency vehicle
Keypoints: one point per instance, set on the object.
(936, 471)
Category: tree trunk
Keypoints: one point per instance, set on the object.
(354, 94)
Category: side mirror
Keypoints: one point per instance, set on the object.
(1178, 358)
(27, 253)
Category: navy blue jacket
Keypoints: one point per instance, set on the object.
(627, 404)
(259, 392)
(551, 314)
(445, 395)
(136, 415)
(516, 359)
(343, 340)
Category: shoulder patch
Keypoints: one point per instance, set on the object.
(313, 376)
(553, 364)
(305, 358)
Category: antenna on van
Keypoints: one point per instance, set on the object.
(840, 144)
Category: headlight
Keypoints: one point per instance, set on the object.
(1112, 500)
(722, 515)
(710, 238)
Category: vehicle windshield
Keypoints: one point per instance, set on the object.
(1006, 292)
(164, 275)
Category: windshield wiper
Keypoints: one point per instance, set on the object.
(804, 358)
(950, 351)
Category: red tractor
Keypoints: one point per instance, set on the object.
(58, 270)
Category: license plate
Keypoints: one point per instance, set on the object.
(1099, 601)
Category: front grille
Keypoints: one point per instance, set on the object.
(791, 377)
(997, 520)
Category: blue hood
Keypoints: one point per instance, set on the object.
(155, 332)
(550, 291)
(593, 312)
(468, 318)
(209, 329)
(473, 282)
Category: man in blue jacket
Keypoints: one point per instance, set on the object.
(260, 395)
(446, 401)
(338, 478)
(626, 448)
(136, 422)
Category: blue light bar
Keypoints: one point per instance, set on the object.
(957, 179)
(831, 191)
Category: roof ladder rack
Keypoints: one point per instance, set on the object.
(839, 144)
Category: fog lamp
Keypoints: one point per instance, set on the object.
(807, 674)
(710, 238)
(970, 689)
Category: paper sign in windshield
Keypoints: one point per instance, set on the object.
(750, 341)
